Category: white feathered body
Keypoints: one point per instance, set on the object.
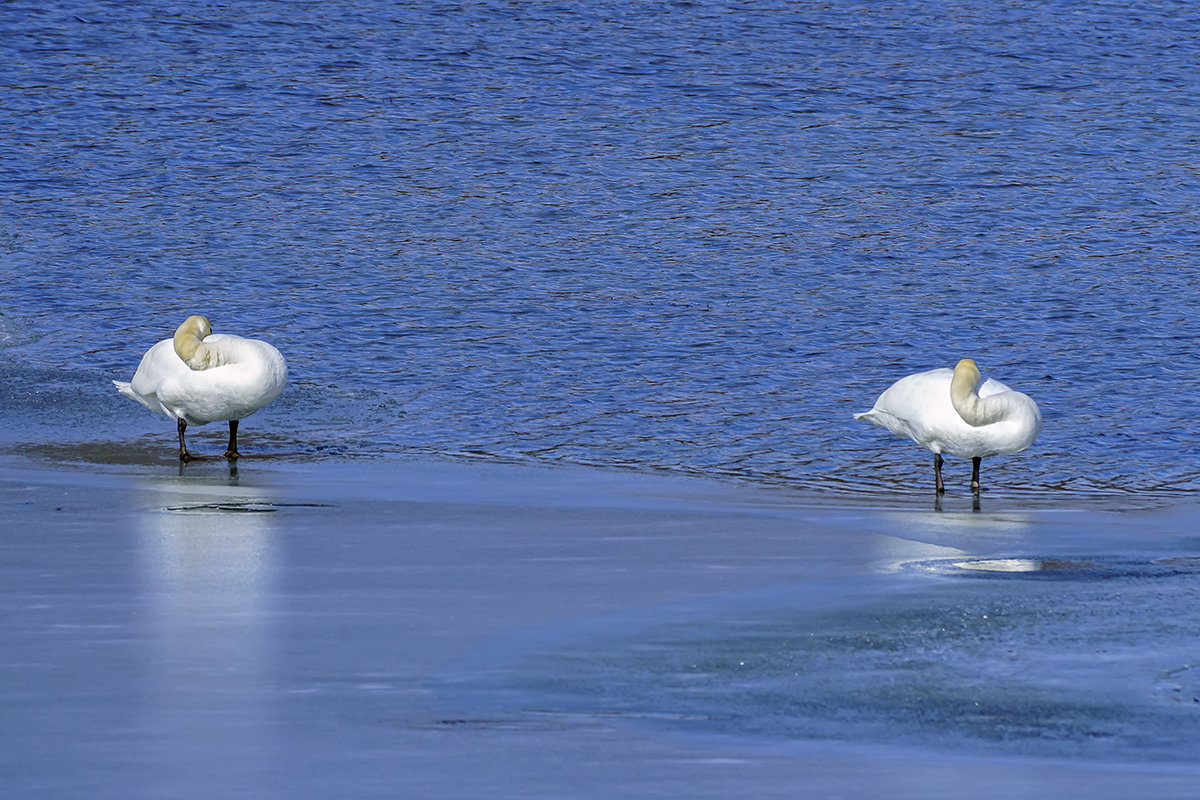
(248, 375)
(919, 407)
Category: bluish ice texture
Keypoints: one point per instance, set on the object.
(1083, 659)
(448, 630)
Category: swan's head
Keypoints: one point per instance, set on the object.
(189, 338)
(194, 325)
(966, 377)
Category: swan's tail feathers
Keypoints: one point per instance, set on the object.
(888, 422)
(124, 388)
(876, 417)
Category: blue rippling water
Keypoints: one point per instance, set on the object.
(689, 236)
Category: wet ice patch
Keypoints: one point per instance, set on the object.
(1054, 666)
(239, 507)
(235, 507)
(1060, 568)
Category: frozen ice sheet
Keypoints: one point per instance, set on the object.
(1057, 658)
(450, 630)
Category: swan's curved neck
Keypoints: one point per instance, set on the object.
(964, 396)
(190, 346)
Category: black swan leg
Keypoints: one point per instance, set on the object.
(184, 455)
(231, 452)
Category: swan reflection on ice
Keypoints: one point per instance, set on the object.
(208, 564)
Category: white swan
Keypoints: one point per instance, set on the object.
(199, 377)
(948, 411)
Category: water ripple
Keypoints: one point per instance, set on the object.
(696, 239)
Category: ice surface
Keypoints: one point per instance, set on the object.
(1087, 668)
(449, 630)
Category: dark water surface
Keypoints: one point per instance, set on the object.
(689, 236)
